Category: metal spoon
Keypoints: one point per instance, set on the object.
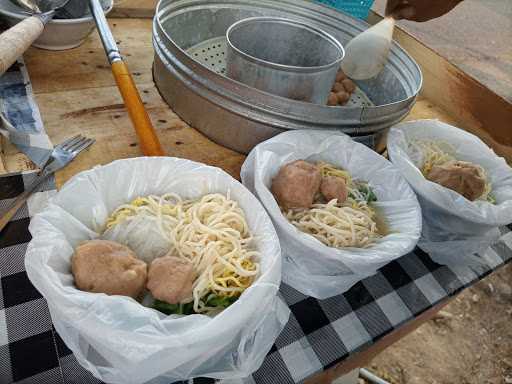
(16, 40)
(367, 53)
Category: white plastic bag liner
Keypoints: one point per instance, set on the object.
(308, 265)
(115, 337)
(454, 228)
(141, 236)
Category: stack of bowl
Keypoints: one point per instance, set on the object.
(58, 34)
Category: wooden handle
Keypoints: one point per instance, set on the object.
(149, 143)
(8, 214)
(16, 40)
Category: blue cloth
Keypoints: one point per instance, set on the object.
(356, 8)
(20, 121)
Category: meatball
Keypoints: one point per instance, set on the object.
(348, 85)
(170, 279)
(296, 184)
(333, 187)
(332, 100)
(465, 178)
(340, 76)
(342, 97)
(338, 87)
(103, 266)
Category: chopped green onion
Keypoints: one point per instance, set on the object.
(174, 309)
(212, 300)
(219, 301)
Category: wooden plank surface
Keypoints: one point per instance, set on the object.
(76, 93)
(134, 8)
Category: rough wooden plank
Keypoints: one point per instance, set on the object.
(99, 113)
(11, 160)
(3, 168)
(134, 8)
(76, 94)
(87, 66)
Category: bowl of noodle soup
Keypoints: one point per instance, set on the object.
(311, 264)
(182, 202)
(450, 220)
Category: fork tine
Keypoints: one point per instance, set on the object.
(67, 141)
(84, 146)
(74, 146)
(72, 142)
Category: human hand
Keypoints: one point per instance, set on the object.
(419, 10)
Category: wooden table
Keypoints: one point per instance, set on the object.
(76, 93)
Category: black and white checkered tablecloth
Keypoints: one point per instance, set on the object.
(319, 334)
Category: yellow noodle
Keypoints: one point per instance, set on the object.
(349, 224)
(336, 225)
(211, 233)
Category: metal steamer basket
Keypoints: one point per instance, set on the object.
(189, 37)
(300, 63)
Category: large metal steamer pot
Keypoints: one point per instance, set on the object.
(238, 116)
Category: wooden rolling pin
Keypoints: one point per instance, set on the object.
(16, 40)
(149, 143)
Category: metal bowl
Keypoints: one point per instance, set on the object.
(288, 58)
(190, 46)
(58, 34)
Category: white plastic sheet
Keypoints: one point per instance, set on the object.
(454, 228)
(308, 265)
(118, 339)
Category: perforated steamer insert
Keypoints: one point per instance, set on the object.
(212, 54)
(189, 71)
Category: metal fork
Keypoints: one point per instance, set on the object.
(61, 156)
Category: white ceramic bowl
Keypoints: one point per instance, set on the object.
(59, 34)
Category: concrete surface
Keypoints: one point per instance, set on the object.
(476, 36)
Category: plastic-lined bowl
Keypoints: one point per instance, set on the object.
(58, 34)
(116, 338)
(310, 266)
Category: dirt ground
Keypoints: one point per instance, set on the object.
(470, 342)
